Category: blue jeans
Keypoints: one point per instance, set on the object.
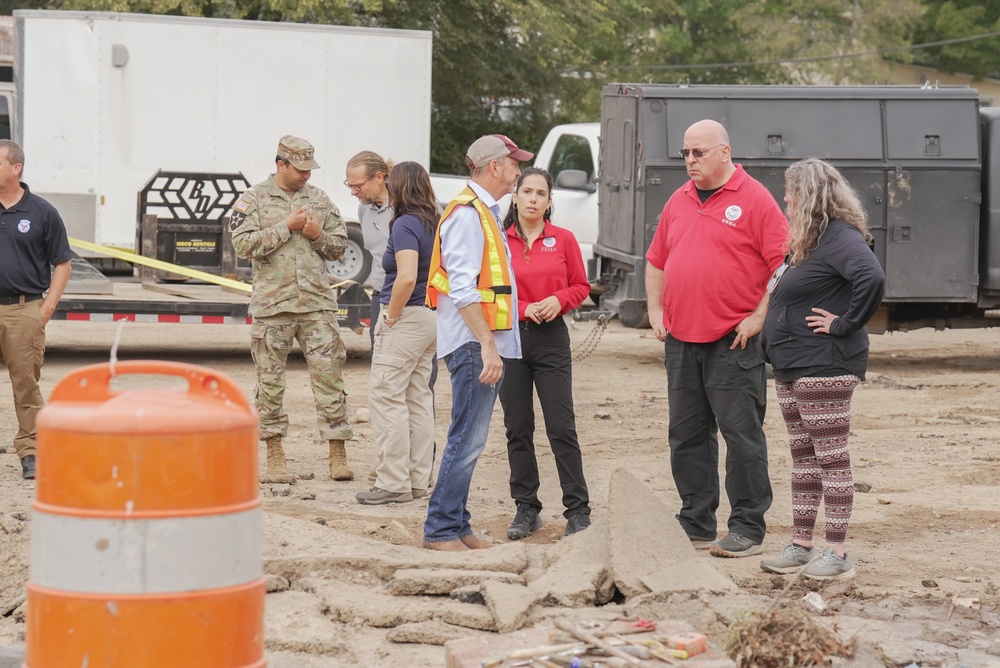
(471, 409)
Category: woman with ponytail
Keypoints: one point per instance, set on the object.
(548, 269)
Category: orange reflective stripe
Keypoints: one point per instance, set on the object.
(494, 284)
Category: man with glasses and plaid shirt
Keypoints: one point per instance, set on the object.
(720, 238)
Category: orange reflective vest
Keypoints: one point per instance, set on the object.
(494, 284)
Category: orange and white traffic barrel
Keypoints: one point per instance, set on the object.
(146, 534)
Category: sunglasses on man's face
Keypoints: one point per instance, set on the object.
(697, 152)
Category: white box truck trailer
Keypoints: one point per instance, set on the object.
(103, 101)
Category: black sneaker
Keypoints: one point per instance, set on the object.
(577, 523)
(28, 467)
(525, 522)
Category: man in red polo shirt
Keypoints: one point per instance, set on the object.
(719, 239)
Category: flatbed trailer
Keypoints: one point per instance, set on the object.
(191, 304)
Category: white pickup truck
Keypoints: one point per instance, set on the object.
(570, 153)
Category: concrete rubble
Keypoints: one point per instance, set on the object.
(432, 597)
(634, 561)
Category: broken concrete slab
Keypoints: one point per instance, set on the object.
(709, 612)
(362, 605)
(646, 546)
(442, 581)
(294, 621)
(468, 594)
(294, 547)
(678, 577)
(429, 633)
(578, 573)
(509, 604)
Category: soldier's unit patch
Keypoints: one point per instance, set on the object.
(236, 219)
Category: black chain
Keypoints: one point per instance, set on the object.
(589, 344)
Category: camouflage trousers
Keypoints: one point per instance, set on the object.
(318, 335)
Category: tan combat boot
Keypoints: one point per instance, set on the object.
(275, 457)
(338, 461)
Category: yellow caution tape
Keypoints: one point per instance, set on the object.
(160, 264)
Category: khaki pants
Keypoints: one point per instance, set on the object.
(22, 347)
(400, 401)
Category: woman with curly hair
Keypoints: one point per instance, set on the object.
(814, 336)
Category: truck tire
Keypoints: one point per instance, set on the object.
(356, 263)
(632, 313)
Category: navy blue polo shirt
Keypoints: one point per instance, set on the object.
(32, 239)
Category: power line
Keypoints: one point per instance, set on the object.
(814, 59)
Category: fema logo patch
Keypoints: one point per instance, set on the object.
(24, 226)
(734, 212)
(549, 242)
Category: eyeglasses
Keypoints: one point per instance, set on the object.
(697, 152)
(778, 273)
(357, 186)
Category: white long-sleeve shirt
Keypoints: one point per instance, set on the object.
(462, 257)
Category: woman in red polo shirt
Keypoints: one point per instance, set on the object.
(548, 270)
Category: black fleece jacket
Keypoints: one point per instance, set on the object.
(842, 276)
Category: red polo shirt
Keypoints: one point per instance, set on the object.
(553, 265)
(716, 257)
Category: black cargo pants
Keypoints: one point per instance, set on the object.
(712, 388)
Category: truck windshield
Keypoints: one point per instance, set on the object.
(5, 117)
(572, 152)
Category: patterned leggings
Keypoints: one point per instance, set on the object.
(817, 413)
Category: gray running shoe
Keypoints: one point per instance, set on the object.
(830, 567)
(376, 497)
(700, 543)
(789, 560)
(735, 545)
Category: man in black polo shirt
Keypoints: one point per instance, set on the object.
(34, 271)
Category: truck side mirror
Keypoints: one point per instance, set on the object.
(575, 179)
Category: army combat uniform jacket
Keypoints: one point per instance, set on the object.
(289, 270)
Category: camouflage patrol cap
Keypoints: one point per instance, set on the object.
(298, 152)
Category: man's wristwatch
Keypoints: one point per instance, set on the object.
(387, 320)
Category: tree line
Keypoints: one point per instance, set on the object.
(520, 66)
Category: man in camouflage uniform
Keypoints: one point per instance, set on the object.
(290, 229)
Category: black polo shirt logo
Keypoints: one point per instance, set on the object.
(24, 226)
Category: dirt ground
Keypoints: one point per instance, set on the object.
(924, 537)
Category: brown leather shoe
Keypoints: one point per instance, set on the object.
(446, 546)
(474, 542)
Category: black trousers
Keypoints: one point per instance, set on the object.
(546, 365)
(712, 388)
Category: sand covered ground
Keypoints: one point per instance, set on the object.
(350, 585)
